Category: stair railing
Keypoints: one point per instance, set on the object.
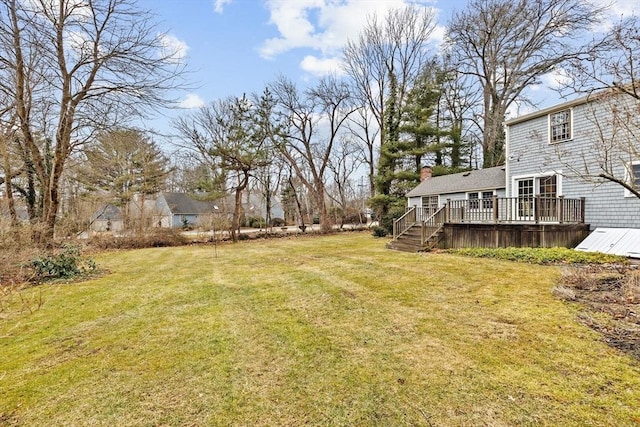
(433, 224)
(404, 223)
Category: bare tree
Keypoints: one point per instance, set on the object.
(73, 68)
(231, 140)
(613, 64)
(313, 121)
(383, 62)
(508, 45)
(343, 163)
(611, 78)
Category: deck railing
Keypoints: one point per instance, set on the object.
(516, 210)
(556, 210)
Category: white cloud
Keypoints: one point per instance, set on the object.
(617, 10)
(556, 79)
(218, 5)
(322, 25)
(321, 66)
(174, 48)
(190, 101)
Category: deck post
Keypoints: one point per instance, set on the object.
(582, 200)
(536, 209)
(560, 210)
(495, 209)
(447, 213)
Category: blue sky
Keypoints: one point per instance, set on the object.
(238, 46)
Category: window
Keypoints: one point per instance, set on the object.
(429, 205)
(633, 178)
(560, 126)
(479, 200)
(474, 201)
(487, 199)
(548, 186)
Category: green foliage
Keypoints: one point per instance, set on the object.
(378, 231)
(555, 255)
(439, 170)
(254, 222)
(66, 264)
(386, 209)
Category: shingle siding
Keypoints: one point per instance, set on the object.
(531, 154)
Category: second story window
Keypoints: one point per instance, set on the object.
(560, 126)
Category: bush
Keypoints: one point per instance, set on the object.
(254, 222)
(277, 222)
(379, 231)
(66, 264)
(155, 238)
(542, 255)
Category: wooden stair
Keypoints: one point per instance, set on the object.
(411, 240)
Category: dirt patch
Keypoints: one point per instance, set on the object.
(611, 295)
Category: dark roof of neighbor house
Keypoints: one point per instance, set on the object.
(475, 180)
(183, 203)
(107, 212)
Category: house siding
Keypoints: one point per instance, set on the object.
(417, 201)
(529, 153)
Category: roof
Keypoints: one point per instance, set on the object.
(475, 180)
(183, 203)
(107, 212)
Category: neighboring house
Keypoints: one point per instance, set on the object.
(108, 217)
(549, 152)
(174, 210)
(477, 186)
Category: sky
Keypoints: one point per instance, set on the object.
(232, 47)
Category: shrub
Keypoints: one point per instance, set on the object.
(155, 238)
(65, 264)
(542, 255)
(277, 222)
(254, 222)
(378, 231)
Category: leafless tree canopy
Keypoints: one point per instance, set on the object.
(614, 62)
(507, 45)
(313, 121)
(70, 69)
(383, 62)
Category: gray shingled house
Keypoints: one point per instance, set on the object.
(549, 150)
(174, 210)
(477, 186)
(107, 217)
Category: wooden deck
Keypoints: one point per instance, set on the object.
(493, 223)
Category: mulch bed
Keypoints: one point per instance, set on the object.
(612, 290)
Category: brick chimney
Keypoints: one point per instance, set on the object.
(425, 173)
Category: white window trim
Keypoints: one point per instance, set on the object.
(536, 182)
(570, 126)
(480, 198)
(629, 178)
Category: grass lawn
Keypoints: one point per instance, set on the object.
(329, 331)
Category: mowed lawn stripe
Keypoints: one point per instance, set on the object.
(331, 330)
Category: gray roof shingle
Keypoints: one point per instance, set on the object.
(475, 180)
(182, 203)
